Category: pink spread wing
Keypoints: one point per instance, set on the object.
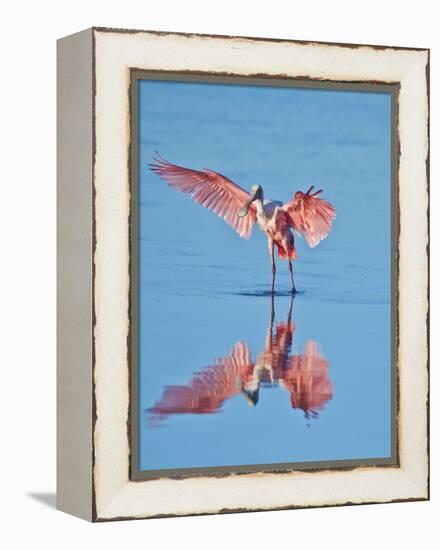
(308, 381)
(308, 213)
(208, 389)
(211, 190)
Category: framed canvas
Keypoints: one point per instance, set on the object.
(202, 370)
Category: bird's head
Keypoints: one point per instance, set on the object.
(256, 193)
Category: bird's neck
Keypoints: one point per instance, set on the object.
(259, 207)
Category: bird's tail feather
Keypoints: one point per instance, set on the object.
(283, 254)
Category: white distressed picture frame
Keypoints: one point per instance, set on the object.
(94, 274)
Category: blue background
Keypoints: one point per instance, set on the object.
(202, 288)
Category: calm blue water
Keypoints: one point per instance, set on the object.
(217, 388)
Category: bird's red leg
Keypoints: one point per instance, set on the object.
(289, 315)
(272, 257)
(291, 276)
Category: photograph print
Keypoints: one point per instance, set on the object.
(264, 257)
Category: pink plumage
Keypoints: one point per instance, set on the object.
(208, 389)
(305, 213)
(211, 190)
(312, 215)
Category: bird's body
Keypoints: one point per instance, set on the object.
(305, 213)
(268, 213)
(272, 219)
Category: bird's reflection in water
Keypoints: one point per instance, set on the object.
(304, 376)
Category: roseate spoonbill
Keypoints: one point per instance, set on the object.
(304, 376)
(305, 213)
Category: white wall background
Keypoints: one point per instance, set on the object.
(27, 301)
